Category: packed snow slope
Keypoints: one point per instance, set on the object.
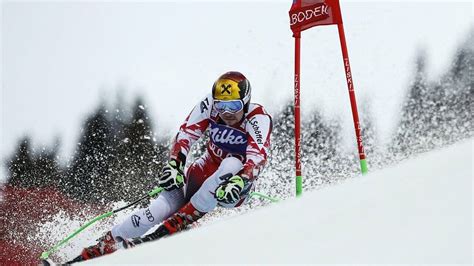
(417, 212)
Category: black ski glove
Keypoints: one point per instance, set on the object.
(172, 176)
(229, 191)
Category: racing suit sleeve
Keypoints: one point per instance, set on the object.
(191, 130)
(259, 128)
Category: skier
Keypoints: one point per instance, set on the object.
(239, 133)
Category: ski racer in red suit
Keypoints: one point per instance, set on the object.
(239, 141)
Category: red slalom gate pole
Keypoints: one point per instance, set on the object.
(299, 177)
(350, 87)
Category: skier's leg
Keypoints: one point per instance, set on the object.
(139, 222)
(202, 201)
(197, 173)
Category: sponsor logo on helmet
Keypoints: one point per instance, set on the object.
(226, 89)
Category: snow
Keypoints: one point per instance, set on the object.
(419, 211)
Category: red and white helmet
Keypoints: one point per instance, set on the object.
(232, 86)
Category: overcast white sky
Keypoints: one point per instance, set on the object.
(60, 59)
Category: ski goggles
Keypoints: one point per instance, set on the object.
(233, 106)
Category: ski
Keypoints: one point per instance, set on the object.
(124, 244)
(49, 262)
(158, 234)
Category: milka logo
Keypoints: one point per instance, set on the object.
(226, 136)
(312, 13)
(256, 128)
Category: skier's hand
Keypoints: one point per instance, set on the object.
(172, 176)
(229, 191)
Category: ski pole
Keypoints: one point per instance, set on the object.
(263, 196)
(46, 254)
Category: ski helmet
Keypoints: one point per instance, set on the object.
(231, 86)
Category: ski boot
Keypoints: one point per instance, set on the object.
(105, 245)
(177, 222)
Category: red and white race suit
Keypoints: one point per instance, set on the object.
(249, 141)
(241, 149)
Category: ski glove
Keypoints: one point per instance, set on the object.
(172, 176)
(229, 191)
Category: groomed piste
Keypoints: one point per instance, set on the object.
(419, 211)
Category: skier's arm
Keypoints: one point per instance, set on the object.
(259, 129)
(172, 176)
(191, 130)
